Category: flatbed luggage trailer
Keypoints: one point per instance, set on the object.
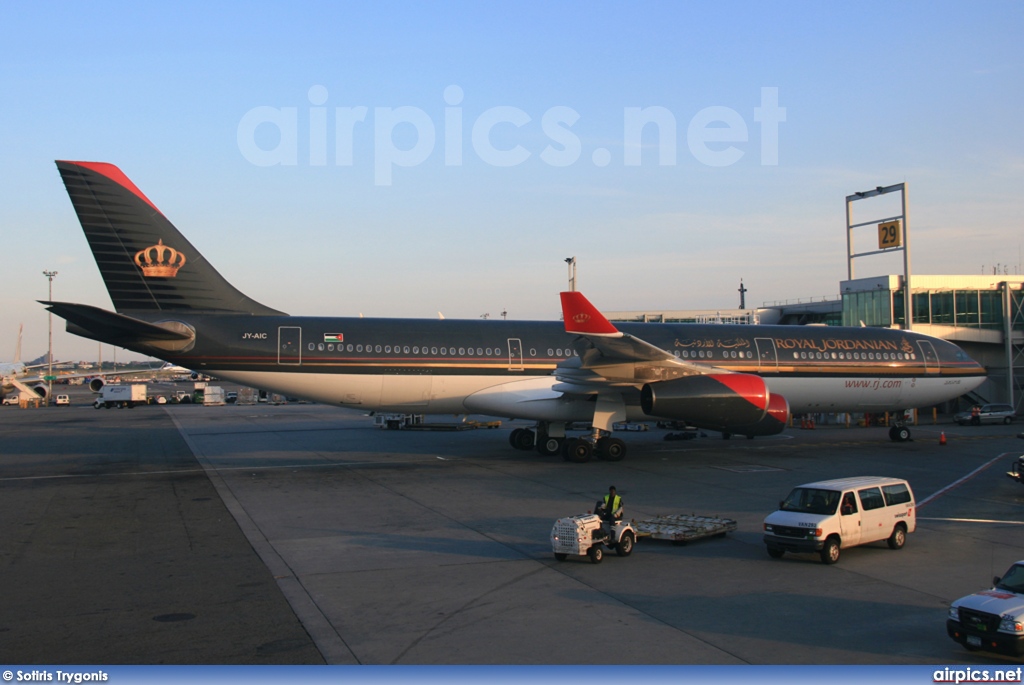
(586, 534)
(682, 528)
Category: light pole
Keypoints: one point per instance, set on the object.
(49, 354)
(571, 261)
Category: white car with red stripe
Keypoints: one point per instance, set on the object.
(993, 619)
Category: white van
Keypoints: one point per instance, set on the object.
(829, 515)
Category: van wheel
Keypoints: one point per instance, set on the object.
(775, 552)
(830, 552)
(898, 537)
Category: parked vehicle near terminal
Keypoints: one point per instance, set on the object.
(125, 395)
(993, 619)
(213, 395)
(830, 515)
(986, 413)
(62, 401)
(1016, 471)
(11, 400)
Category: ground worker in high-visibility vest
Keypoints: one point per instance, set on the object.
(611, 508)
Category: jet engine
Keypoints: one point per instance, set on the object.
(775, 419)
(96, 383)
(729, 402)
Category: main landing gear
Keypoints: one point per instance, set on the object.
(899, 432)
(572, 449)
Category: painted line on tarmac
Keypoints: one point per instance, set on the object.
(325, 636)
(1011, 523)
(958, 483)
(271, 467)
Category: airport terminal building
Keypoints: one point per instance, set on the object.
(982, 314)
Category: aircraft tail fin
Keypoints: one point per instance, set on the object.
(146, 264)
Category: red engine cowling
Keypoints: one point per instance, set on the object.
(775, 420)
(725, 401)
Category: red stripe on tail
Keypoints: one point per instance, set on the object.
(115, 175)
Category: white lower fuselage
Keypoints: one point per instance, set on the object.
(532, 397)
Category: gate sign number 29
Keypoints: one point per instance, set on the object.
(889, 235)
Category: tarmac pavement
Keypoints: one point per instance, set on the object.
(304, 534)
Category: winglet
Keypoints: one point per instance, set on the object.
(582, 318)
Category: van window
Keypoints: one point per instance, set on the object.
(896, 494)
(849, 504)
(871, 498)
(812, 501)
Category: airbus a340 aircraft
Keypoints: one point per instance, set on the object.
(738, 379)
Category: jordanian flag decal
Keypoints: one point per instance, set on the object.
(334, 337)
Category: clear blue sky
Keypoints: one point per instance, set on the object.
(873, 94)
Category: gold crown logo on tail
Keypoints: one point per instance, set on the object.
(159, 261)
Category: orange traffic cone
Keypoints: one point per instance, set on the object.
(942, 438)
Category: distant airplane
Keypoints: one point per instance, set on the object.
(737, 379)
(14, 376)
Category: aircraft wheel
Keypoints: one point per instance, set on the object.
(611, 449)
(899, 433)
(549, 446)
(522, 439)
(578, 451)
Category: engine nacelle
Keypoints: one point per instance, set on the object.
(775, 420)
(726, 401)
(95, 384)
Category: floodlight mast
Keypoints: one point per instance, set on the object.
(901, 243)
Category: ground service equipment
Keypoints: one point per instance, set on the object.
(126, 395)
(587, 535)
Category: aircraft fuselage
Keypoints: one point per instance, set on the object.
(433, 366)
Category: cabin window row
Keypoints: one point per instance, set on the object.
(407, 349)
(857, 356)
(709, 354)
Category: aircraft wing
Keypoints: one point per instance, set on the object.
(616, 368)
(607, 355)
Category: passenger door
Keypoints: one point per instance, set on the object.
(289, 345)
(874, 518)
(849, 520)
(515, 354)
(931, 359)
(767, 355)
